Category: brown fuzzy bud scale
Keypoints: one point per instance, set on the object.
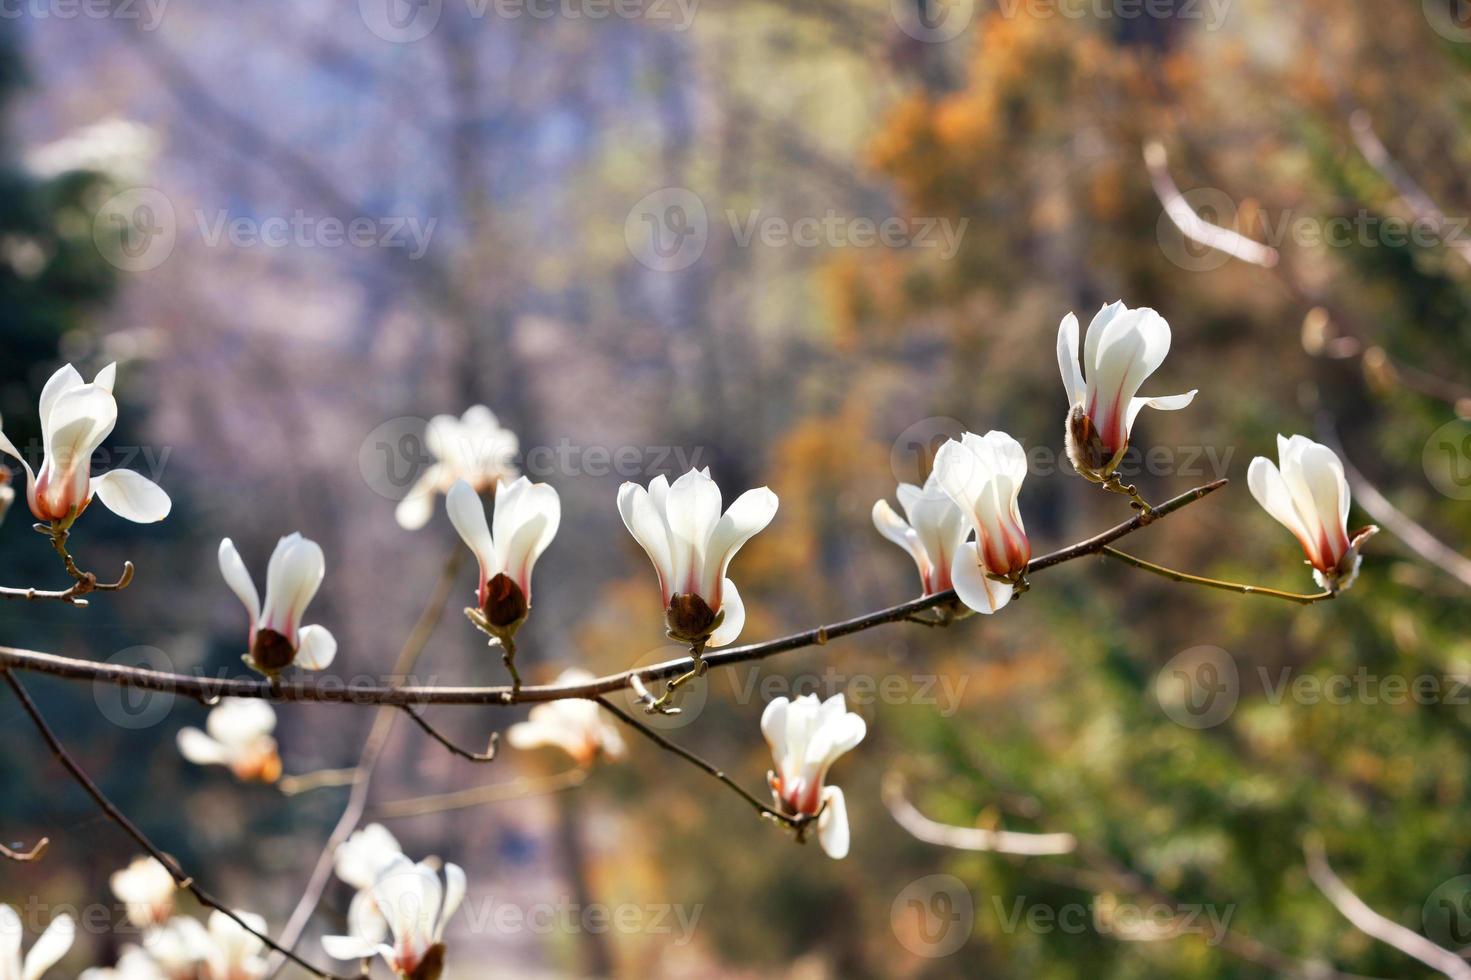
(689, 618)
(271, 652)
(431, 966)
(505, 604)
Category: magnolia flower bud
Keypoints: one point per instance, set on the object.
(505, 605)
(276, 637)
(526, 519)
(689, 619)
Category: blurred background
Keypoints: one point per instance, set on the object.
(801, 244)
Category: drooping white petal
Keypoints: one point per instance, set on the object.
(454, 893)
(832, 824)
(467, 514)
(52, 945)
(64, 379)
(8, 448)
(1067, 359)
(315, 648)
(237, 577)
(893, 527)
(734, 608)
(1265, 482)
(645, 522)
(750, 513)
(1163, 403)
(200, 749)
(295, 573)
(974, 587)
(415, 510)
(366, 852)
(132, 496)
(240, 721)
(348, 947)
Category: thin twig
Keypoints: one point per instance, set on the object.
(317, 690)
(968, 838)
(82, 582)
(700, 763)
(1371, 923)
(1215, 583)
(183, 879)
(487, 756)
(514, 789)
(320, 779)
(34, 854)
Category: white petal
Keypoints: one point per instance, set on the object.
(832, 825)
(237, 577)
(454, 894)
(774, 726)
(365, 853)
(364, 920)
(974, 587)
(200, 749)
(1067, 359)
(644, 522)
(750, 513)
(315, 648)
(1265, 482)
(10, 936)
(892, 526)
(532, 517)
(106, 379)
(691, 510)
(414, 511)
(408, 896)
(467, 514)
(348, 947)
(1101, 319)
(132, 496)
(51, 947)
(240, 721)
(66, 378)
(292, 579)
(8, 447)
(734, 620)
(1163, 403)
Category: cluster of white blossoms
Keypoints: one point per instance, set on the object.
(172, 946)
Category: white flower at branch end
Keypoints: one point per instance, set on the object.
(133, 963)
(237, 734)
(983, 476)
(933, 533)
(47, 950)
(75, 418)
(474, 448)
(1123, 348)
(231, 950)
(526, 519)
(1309, 495)
(276, 638)
(691, 545)
(574, 725)
(416, 906)
(360, 861)
(146, 890)
(806, 737)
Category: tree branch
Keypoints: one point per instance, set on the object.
(34, 854)
(930, 831)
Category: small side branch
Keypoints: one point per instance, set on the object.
(487, 756)
(514, 789)
(930, 831)
(1213, 583)
(1371, 923)
(183, 879)
(34, 854)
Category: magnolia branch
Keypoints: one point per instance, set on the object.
(34, 854)
(921, 827)
(83, 582)
(183, 879)
(330, 690)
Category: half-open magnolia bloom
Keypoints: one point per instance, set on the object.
(277, 638)
(806, 737)
(983, 476)
(52, 945)
(526, 519)
(1123, 348)
(691, 544)
(75, 418)
(1309, 496)
(237, 734)
(576, 726)
(233, 952)
(360, 861)
(146, 890)
(417, 906)
(473, 448)
(933, 533)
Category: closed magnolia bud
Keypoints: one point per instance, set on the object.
(505, 604)
(689, 618)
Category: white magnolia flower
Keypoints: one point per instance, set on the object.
(237, 734)
(576, 726)
(526, 519)
(133, 963)
(146, 890)
(417, 906)
(277, 638)
(233, 952)
(52, 945)
(75, 418)
(933, 533)
(1123, 348)
(360, 861)
(178, 947)
(806, 737)
(983, 476)
(473, 448)
(681, 528)
(1309, 496)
